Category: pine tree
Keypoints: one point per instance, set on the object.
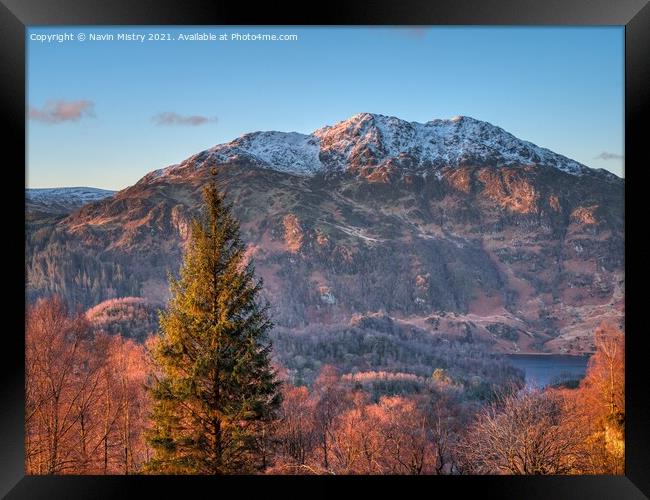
(214, 386)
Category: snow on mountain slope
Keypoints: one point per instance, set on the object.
(85, 194)
(62, 200)
(287, 152)
(438, 142)
(368, 139)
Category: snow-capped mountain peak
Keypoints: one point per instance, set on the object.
(459, 140)
(368, 139)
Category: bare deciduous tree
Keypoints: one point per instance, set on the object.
(85, 402)
(57, 384)
(530, 432)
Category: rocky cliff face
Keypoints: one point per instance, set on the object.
(454, 226)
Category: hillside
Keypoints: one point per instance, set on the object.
(454, 227)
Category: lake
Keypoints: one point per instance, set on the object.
(542, 369)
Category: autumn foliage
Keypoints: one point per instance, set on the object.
(85, 402)
(88, 412)
(601, 400)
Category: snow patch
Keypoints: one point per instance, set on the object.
(289, 152)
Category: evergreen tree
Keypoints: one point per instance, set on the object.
(214, 386)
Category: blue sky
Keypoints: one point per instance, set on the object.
(104, 113)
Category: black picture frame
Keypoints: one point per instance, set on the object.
(16, 15)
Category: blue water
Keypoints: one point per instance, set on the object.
(544, 369)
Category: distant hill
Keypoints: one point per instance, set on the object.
(62, 200)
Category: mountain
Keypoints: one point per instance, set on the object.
(371, 141)
(62, 200)
(451, 228)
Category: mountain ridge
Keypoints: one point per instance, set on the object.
(371, 140)
(87, 192)
(61, 200)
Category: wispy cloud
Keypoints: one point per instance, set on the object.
(171, 118)
(62, 111)
(608, 156)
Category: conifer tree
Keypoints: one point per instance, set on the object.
(214, 385)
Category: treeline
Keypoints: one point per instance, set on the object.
(379, 343)
(89, 409)
(56, 265)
